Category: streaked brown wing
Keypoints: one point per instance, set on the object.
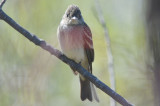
(88, 45)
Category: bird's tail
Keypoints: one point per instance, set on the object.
(88, 91)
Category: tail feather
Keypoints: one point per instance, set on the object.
(85, 90)
(88, 91)
(94, 94)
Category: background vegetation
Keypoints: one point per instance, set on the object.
(29, 76)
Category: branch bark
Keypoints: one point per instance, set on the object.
(108, 50)
(2, 3)
(39, 42)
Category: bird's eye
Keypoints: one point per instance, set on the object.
(67, 15)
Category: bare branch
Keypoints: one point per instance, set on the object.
(108, 50)
(33, 38)
(2, 3)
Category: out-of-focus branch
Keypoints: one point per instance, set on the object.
(33, 38)
(108, 51)
(153, 37)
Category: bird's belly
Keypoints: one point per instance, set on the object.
(71, 42)
(76, 54)
(73, 49)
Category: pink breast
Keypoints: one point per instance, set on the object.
(73, 37)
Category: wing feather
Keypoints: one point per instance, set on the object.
(88, 45)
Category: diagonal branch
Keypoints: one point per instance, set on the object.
(33, 38)
(108, 50)
(2, 3)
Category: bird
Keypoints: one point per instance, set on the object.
(75, 39)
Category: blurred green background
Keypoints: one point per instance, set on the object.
(30, 76)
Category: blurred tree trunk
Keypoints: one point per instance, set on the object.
(153, 24)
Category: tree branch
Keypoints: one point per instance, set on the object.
(108, 50)
(39, 42)
(2, 3)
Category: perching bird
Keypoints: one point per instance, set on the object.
(75, 39)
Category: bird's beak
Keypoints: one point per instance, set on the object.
(74, 20)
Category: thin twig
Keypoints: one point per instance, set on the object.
(33, 38)
(108, 50)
